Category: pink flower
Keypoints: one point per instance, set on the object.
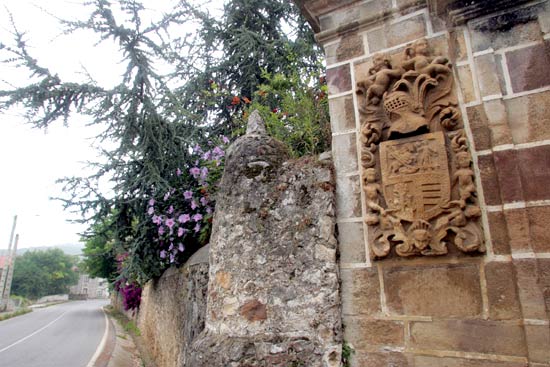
(195, 172)
(184, 218)
(171, 209)
(163, 254)
(204, 173)
(207, 156)
(178, 172)
(204, 201)
(151, 210)
(181, 247)
(170, 222)
(197, 227)
(161, 230)
(225, 139)
(167, 196)
(194, 205)
(197, 217)
(209, 210)
(151, 202)
(218, 152)
(157, 219)
(188, 194)
(181, 231)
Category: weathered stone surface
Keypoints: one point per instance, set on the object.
(173, 311)
(489, 181)
(466, 83)
(529, 67)
(539, 220)
(339, 79)
(381, 359)
(499, 233)
(344, 16)
(254, 310)
(530, 289)
(459, 45)
(505, 30)
(373, 335)
(497, 120)
(342, 114)
(274, 232)
(529, 117)
(348, 197)
(350, 47)
(344, 151)
(507, 167)
(517, 223)
(452, 290)
(427, 361)
(360, 292)
(501, 291)
(479, 126)
(535, 174)
(479, 336)
(487, 72)
(538, 341)
(396, 33)
(351, 242)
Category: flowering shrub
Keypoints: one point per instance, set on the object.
(131, 294)
(182, 216)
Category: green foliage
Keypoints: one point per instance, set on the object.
(295, 109)
(20, 312)
(99, 251)
(41, 273)
(347, 353)
(177, 91)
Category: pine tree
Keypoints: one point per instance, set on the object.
(176, 91)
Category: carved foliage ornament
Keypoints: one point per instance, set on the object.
(417, 170)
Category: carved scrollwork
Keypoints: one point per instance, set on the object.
(417, 176)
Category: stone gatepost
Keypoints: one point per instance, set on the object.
(273, 292)
(440, 113)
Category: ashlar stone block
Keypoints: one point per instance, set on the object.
(445, 290)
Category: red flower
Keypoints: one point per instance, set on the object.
(246, 100)
(235, 101)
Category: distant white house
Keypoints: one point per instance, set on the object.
(90, 287)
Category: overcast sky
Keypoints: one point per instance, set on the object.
(31, 160)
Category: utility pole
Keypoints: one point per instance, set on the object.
(7, 289)
(9, 261)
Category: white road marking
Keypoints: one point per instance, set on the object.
(101, 344)
(32, 334)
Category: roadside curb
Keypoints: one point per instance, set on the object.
(119, 349)
(107, 345)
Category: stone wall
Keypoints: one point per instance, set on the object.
(267, 294)
(172, 310)
(273, 293)
(488, 309)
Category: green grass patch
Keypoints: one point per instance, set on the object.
(128, 325)
(15, 313)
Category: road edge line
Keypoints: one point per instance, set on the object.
(103, 342)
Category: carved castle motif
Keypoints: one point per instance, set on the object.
(417, 174)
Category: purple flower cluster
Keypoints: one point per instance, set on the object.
(131, 294)
(184, 212)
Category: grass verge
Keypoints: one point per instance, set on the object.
(128, 325)
(15, 313)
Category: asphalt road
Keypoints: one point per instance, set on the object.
(65, 335)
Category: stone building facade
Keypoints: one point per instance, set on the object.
(488, 307)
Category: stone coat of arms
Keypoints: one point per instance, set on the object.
(416, 165)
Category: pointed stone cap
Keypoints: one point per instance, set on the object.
(256, 125)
